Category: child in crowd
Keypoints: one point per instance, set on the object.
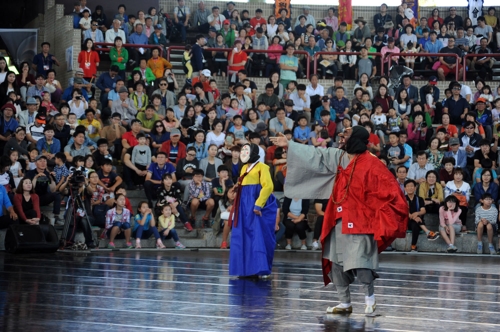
(220, 184)
(323, 138)
(72, 122)
(238, 130)
(92, 126)
(33, 154)
(118, 223)
(448, 95)
(487, 94)
(449, 222)
(495, 112)
(365, 101)
(441, 135)
(233, 110)
(60, 171)
(109, 180)
(145, 226)
(429, 100)
(263, 112)
(141, 158)
(170, 193)
(225, 206)
(380, 122)
(393, 121)
(409, 59)
(102, 153)
(166, 226)
(6, 177)
(93, 105)
(186, 62)
(15, 167)
(302, 131)
(51, 109)
(200, 197)
(486, 219)
(394, 151)
(121, 190)
(215, 91)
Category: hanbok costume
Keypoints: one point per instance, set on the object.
(252, 237)
(365, 213)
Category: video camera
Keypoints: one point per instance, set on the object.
(77, 176)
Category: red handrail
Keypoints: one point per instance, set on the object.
(106, 49)
(317, 54)
(425, 55)
(246, 51)
(474, 55)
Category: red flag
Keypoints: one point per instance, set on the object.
(345, 12)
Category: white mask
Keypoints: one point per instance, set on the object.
(245, 154)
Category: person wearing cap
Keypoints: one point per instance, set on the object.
(158, 38)
(174, 149)
(360, 33)
(44, 61)
(309, 18)
(259, 42)
(281, 122)
(271, 100)
(289, 65)
(27, 117)
(69, 93)
(369, 220)
(113, 95)
(107, 82)
(85, 21)
(204, 79)
(228, 34)
(215, 19)
(459, 155)
(484, 117)
(39, 88)
(35, 131)
(244, 102)
(115, 31)
(124, 106)
(325, 106)
(181, 18)
(200, 17)
(390, 48)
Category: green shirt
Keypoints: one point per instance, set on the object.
(119, 59)
(147, 123)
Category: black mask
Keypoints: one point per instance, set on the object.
(358, 141)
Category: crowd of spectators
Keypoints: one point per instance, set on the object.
(179, 142)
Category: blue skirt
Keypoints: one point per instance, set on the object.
(253, 240)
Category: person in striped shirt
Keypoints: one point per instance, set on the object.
(486, 219)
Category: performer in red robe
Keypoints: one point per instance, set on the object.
(366, 211)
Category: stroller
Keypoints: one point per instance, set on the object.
(396, 74)
(169, 29)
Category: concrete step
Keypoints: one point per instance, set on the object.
(466, 243)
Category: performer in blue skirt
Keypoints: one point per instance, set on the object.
(254, 218)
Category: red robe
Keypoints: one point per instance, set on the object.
(374, 204)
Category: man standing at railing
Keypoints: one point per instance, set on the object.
(197, 59)
(449, 63)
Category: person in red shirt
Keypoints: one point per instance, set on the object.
(451, 130)
(257, 21)
(373, 140)
(174, 149)
(237, 58)
(129, 139)
(88, 60)
(331, 126)
(204, 79)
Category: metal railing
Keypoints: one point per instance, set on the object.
(109, 45)
(474, 55)
(170, 48)
(318, 54)
(424, 55)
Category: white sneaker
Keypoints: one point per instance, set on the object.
(315, 246)
(303, 247)
(370, 303)
(288, 247)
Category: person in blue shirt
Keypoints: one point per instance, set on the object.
(8, 122)
(155, 174)
(77, 84)
(425, 38)
(107, 82)
(77, 15)
(48, 145)
(433, 46)
(302, 131)
(11, 218)
(94, 33)
(44, 61)
(138, 38)
(325, 105)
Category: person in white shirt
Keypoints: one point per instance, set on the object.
(111, 34)
(280, 123)
(302, 102)
(215, 19)
(314, 88)
(419, 169)
(465, 92)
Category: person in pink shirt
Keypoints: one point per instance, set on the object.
(273, 59)
(331, 20)
(449, 221)
(390, 60)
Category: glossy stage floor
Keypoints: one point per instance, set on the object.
(191, 291)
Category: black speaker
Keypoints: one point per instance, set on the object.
(31, 239)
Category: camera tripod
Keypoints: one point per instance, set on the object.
(75, 208)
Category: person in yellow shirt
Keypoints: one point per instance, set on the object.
(167, 226)
(92, 125)
(158, 64)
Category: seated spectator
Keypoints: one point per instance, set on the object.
(158, 64)
(295, 220)
(200, 197)
(434, 154)
(48, 145)
(211, 163)
(45, 184)
(273, 59)
(448, 62)
(141, 158)
(458, 155)
(199, 145)
(145, 226)
(102, 153)
(449, 222)
(271, 100)
(486, 218)
(27, 204)
(174, 149)
(221, 184)
(167, 226)
(417, 212)
(417, 132)
(148, 118)
(461, 190)
(77, 148)
(92, 125)
(113, 133)
(170, 194)
(390, 48)
(234, 164)
(418, 171)
(216, 136)
(184, 170)
(486, 183)
(124, 106)
(394, 150)
(118, 223)
(431, 191)
(109, 180)
(155, 173)
(451, 130)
